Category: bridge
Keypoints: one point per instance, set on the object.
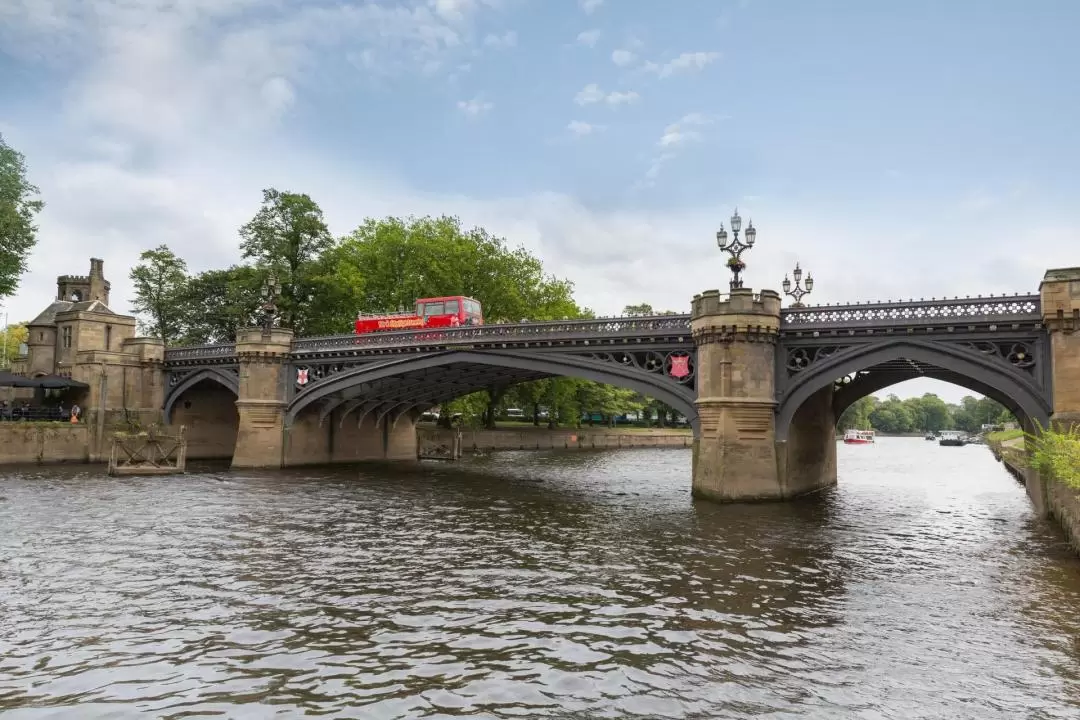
(761, 385)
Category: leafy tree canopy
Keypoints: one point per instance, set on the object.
(19, 205)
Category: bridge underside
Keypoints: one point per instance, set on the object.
(416, 391)
(852, 388)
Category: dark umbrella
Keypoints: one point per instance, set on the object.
(56, 382)
(8, 379)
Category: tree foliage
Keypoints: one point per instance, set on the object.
(920, 414)
(19, 204)
(160, 281)
(288, 237)
(15, 336)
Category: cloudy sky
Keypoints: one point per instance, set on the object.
(901, 149)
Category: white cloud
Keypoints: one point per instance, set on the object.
(588, 38)
(507, 40)
(580, 129)
(475, 107)
(684, 130)
(622, 58)
(686, 62)
(592, 94)
(590, 6)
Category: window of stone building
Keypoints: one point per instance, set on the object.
(65, 335)
(108, 337)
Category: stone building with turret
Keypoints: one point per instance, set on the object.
(78, 336)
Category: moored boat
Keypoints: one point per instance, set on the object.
(953, 438)
(930, 436)
(859, 437)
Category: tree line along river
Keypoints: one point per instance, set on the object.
(536, 584)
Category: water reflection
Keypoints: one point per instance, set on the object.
(523, 584)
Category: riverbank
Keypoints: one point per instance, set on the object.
(540, 438)
(1051, 497)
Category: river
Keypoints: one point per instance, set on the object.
(531, 585)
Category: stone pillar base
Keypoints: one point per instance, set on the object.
(1065, 421)
(260, 438)
(735, 454)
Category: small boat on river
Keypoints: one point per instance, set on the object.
(953, 437)
(930, 436)
(859, 437)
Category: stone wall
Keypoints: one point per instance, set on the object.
(44, 442)
(542, 439)
(1063, 504)
(808, 462)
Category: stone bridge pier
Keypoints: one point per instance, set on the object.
(737, 457)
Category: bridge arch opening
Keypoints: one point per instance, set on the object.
(408, 386)
(845, 377)
(205, 403)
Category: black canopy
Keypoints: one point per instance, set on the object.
(56, 382)
(49, 382)
(8, 379)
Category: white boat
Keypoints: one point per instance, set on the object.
(859, 437)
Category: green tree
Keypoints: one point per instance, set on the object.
(218, 302)
(892, 416)
(160, 280)
(391, 263)
(18, 206)
(644, 309)
(288, 236)
(14, 336)
(857, 415)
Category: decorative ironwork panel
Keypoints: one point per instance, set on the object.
(1019, 308)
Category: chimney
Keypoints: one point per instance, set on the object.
(97, 268)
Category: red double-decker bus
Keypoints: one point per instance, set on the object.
(440, 312)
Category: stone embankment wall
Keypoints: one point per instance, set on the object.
(44, 442)
(1051, 498)
(543, 439)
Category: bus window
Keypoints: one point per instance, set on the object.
(472, 308)
(435, 308)
(451, 307)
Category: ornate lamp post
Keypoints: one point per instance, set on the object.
(268, 310)
(736, 247)
(798, 292)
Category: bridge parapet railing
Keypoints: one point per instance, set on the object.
(599, 329)
(1016, 308)
(200, 352)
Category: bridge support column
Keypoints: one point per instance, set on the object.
(262, 398)
(1060, 290)
(735, 454)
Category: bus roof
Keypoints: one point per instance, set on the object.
(445, 298)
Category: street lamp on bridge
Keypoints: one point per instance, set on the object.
(268, 310)
(798, 292)
(736, 247)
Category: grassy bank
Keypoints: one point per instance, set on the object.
(1004, 436)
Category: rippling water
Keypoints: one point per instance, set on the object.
(574, 585)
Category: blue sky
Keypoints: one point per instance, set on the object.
(914, 148)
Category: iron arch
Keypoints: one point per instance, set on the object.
(651, 384)
(212, 374)
(977, 374)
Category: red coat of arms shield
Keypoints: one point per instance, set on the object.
(680, 366)
(302, 376)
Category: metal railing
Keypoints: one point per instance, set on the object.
(193, 352)
(943, 311)
(35, 414)
(596, 329)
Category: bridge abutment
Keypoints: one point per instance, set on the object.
(261, 401)
(1060, 295)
